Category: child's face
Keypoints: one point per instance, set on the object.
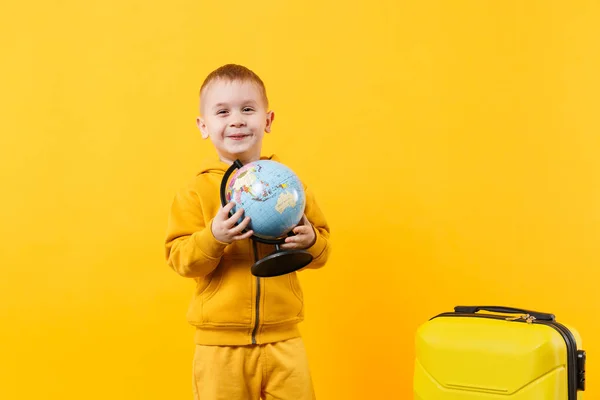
(234, 117)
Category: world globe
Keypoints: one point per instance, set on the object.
(270, 194)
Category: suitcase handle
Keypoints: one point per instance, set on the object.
(506, 310)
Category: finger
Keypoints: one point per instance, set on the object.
(240, 227)
(289, 246)
(299, 245)
(231, 221)
(244, 236)
(294, 243)
(301, 230)
(291, 239)
(224, 212)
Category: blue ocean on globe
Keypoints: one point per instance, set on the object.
(270, 194)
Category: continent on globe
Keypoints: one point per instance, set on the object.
(284, 201)
(244, 180)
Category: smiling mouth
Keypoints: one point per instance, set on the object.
(238, 136)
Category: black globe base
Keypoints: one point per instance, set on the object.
(281, 262)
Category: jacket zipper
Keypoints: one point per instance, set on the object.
(257, 298)
(571, 344)
(257, 309)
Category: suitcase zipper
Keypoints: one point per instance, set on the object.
(527, 318)
(572, 356)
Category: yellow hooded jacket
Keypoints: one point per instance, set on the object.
(230, 306)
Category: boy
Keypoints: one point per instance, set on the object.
(247, 341)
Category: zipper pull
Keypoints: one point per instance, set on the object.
(517, 318)
(528, 318)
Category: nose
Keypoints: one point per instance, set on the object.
(237, 120)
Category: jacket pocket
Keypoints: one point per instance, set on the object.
(230, 302)
(283, 301)
(296, 288)
(205, 287)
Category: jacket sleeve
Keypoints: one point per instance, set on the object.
(191, 249)
(322, 247)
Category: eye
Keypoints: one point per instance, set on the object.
(222, 112)
(248, 109)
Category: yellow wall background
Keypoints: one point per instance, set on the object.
(453, 145)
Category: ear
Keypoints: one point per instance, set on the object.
(270, 118)
(202, 126)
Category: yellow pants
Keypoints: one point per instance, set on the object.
(273, 371)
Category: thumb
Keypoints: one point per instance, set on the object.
(305, 220)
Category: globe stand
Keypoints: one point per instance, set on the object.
(279, 262)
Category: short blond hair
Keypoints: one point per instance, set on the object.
(235, 72)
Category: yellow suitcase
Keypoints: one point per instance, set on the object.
(497, 353)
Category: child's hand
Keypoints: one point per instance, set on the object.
(224, 228)
(304, 236)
